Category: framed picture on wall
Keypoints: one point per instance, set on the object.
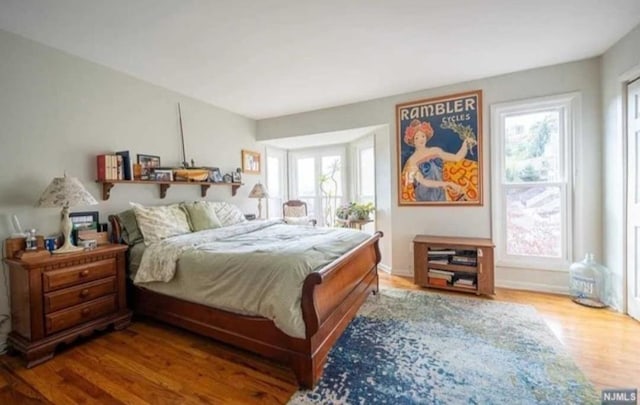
(250, 162)
(439, 146)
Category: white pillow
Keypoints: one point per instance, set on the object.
(228, 214)
(157, 223)
(297, 220)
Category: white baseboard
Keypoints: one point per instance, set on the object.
(384, 268)
(402, 272)
(559, 288)
(528, 286)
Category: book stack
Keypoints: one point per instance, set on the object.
(440, 277)
(463, 260)
(115, 166)
(437, 252)
(465, 282)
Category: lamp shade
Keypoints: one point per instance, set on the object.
(259, 191)
(65, 192)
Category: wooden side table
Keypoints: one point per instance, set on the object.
(354, 223)
(57, 298)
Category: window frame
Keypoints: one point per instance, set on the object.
(317, 154)
(274, 202)
(568, 105)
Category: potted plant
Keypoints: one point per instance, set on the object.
(355, 211)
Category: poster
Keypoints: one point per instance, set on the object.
(439, 143)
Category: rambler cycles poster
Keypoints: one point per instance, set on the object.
(440, 150)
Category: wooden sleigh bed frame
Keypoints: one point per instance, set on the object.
(330, 300)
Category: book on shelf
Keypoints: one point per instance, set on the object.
(440, 252)
(438, 261)
(440, 276)
(106, 167)
(126, 165)
(444, 272)
(119, 174)
(464, 260)
(458, 283)
(101, 166)
(437, 282)
(465, 281)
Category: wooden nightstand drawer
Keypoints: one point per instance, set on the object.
(57, 300)
(56, 279)
(67, 318)
(57, 297)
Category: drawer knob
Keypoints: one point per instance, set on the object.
(84, 273)
(84, 293)
(85, 311)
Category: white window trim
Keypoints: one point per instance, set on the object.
(571, 103)
(366, 142)
(281, 155)
(316, 153)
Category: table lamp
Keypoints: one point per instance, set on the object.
(259, 191)
(66, 192)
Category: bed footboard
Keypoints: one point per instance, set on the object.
(330, 300)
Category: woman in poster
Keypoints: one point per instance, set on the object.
(422, 174)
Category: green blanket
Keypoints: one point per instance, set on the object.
(254, 268)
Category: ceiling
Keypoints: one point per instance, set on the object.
(322, 139)
(276, 57)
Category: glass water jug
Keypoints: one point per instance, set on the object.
(589, 283)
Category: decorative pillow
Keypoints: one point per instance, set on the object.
(297, 220)
(295, 211)
(201, 215)
(228, 214)
(157, 223)
(130, 231)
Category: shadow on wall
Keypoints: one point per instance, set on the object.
(22, 191)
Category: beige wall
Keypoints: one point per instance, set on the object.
(620, 63)
(400, 224)
(58, 111)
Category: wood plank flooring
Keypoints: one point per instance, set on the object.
(151, 363)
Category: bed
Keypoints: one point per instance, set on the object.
(330, 298)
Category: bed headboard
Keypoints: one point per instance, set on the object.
(116, 229)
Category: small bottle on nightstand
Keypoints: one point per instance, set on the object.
(31, 241)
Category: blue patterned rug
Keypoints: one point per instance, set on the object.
(408, 347)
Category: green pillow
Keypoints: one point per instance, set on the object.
(201, 215)
(131, 233)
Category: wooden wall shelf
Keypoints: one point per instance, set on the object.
(107, 185)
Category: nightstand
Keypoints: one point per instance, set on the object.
(58, 298)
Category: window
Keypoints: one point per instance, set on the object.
(532, 184)
(318, 179)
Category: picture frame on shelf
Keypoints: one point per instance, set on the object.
(147, 165)
(250, 162)
(163, 175)
(237, 176)
(215, 176)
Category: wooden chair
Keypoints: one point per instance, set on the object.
(296, 209)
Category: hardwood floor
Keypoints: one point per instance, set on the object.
(151, 363)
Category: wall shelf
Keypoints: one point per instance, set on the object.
(107, 185)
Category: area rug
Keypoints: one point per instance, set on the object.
(409, 347)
